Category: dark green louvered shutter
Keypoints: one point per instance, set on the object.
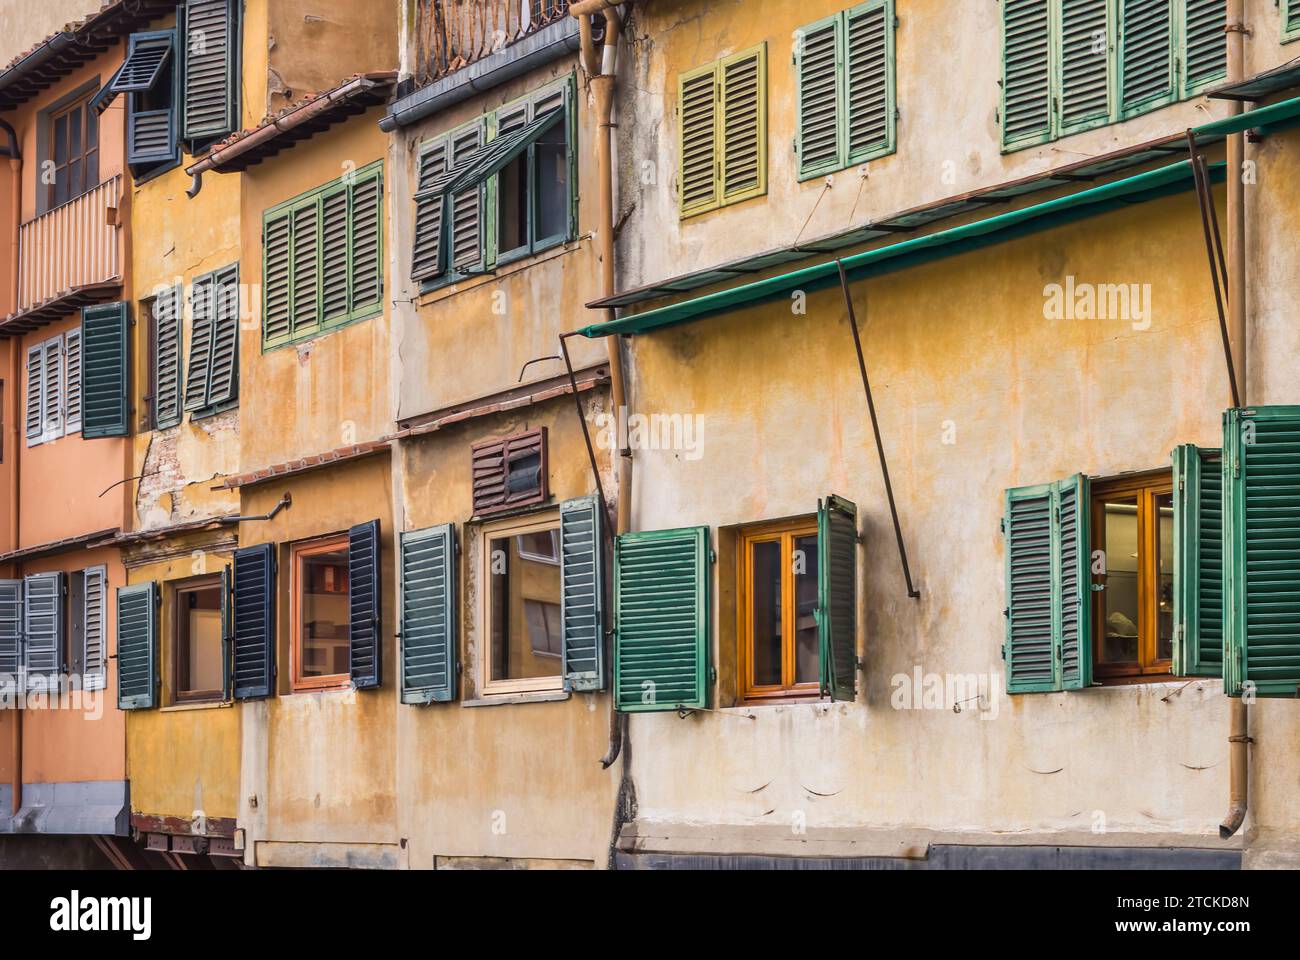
(365, 637)
(1204, 50)
(11, 631)
(1261, 532)
(168, 319)
(223, 370)
(429, 639)
(1146, 54)
(1026, 72)
(582, 598)
(661, 620)
(1198, 562)
(211, 68)
(150, 134)
(837, 597)
(253, 622)
(869, 80)
(1048, 641)
(43, 619)
(203, 321)
(1084, 64)
(817, 73)
(137, 646)
(104, 371)
(427, 258)
(276, 236)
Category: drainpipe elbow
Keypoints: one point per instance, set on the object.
(1232, 823)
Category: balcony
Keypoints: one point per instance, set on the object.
(68, 257)
(452, 34)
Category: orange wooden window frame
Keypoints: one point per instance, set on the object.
(785, 533)
(298, 553)
(1146, 488)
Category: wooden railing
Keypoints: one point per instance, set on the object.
(451, 34)
(75, 244)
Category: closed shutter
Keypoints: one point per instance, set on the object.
(305, 269)
(150, 136)
(275, 278)
(72, 381)
(52, 380)
(1261, 533)
(1084, 64)
(367, 272)
(1146, 54)
(466, 207)
(661, 620)
(427, 595)
(1026, 72)
(35, 415)
(253, 622)
(43, 626)
(1205, 44)
(203, 317)
(137, 646)
(509, 473)
(223, 374)
(817, 73)
(426, 260)
(582, 597)
(105, 373)
(365, 636)
(837, 597)
(334, 254)
(869, 80)
(93, 650)
(11, 632)
(742, 100)
(168, 318)
(1198, 562)
(697, 111)
(211, 46)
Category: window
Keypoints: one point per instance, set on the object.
(780, 646)
(104, 360)
(509, 473)
(722, 151)
(1070, 65)
(321, 615)
(70, 165)
(211, 72)
(53, 393)
(1132, 578)
(523, 597)
(197, 646)
(513, 168)
(323, 265)
(844, 67)
(212, 382)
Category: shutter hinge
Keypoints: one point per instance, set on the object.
(1002, 526)
(1004, 651)
(713, 674)
(1006, 612)
(713, 557)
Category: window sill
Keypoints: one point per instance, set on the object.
(501, 699)
(197, 705)
(440, 288)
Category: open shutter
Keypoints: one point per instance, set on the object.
(366, 291)
(742, 101)
(1146, 54)
(305, 272)
(168, 319)
(151, 134)
(147, 56)
(1198, 562)
(35, 415)
(1084, 64)
(92, 649)
(11, 632)
(211, 46)
(334, 254)
(72, 381)
(223, 371)
(1261, 533)
(1026, 72)
(203, 317)
(661, 620)
(426, 259)
(227, 630)
(275, 278)
(52, 379)
(1074, 579)
(466, 207)
(254, 622)
(869, 80)
(837, 597)
(365, 637)
(137, 646)
(427, 595)
(582, 597)
(105, 373)
(43, 625)
(697, 111)
(817, 67)
(1204, 50)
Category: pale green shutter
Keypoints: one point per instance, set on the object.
(466, 227)
(105, 371)
(1204, 50)
(334, 254)
(223, 372)
(1026, 72)
(276, 235)
(742, 102)
(582, 580)
(817, 73)
(661, 620)
(211, 75)
(366, 278)
(1084, 64)
(168, 319)
(697, 112)
(869, 81)
(1074, 592)
(426, 258)
(304, 271)
(1146, 54)
(137, 646)
(1261, 533)
(1290, 19)
(837, 597)
(428, 617)
(1198, 562)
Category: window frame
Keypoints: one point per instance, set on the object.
(82, 98)
(329, 543)
(173, 649)
(1146, 487)
(509, 528)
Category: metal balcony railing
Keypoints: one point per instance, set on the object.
(75, 245)
(451, 34)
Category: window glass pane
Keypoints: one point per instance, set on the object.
(198, 641)
(807, 645)
(1165, 577)
(512, 205)
(524, 606)
(1120, 598)
(60, 141)
(765, 613)
(552, 184)
(74, 133)
(324, 613)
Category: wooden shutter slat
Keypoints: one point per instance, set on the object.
(137, 640)
(253, 622)
(210, 71)
(150, 137)
(276, 308)
(365, 636)
(837, 603)
(35, 416)
(43, 613)
(869, 81)
(105, 373)
(1030, 647)
(466, 207)
(427, 597)
(582, 597)
(1026, 71)
(1198, 562)
(52, 398)
(1074, 596)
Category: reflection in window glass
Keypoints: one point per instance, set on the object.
(524, 606)
(1165, 573)
(1121, 594)
(766, 599)
(552, 183)
(198, 642)
(806, 642)
(325, 613)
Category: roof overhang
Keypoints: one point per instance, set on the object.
(42, 314)
(85, 541)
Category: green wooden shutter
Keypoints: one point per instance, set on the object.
(817, 74)
(364, 633)
(276, 238)
(223, 371)
(869, 80)
(203, 319)
(137, 646)
(837, 597)
(1198, 562)
(1204, 50)
(697, 111)
(150, 136)
(168, 319)
(334, 265)
(72, 381)
(661, 620)
(742, 124)
(35, 395)
(582, 597)
(1074, 579)
(305, 268)
(1290, 19)
(1084, 64)
(105, 371)
(1146, 54)
(466, 240)
(253, 622)
(427, 594)
(92, 648)
(11, 632)
(211, 72)
(366, 279)
(426, 257)
(1026, 73)
(1261, 532)
(43, 619)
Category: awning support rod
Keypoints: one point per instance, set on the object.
(875, 428)
(586, 436)
(1214, 251)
